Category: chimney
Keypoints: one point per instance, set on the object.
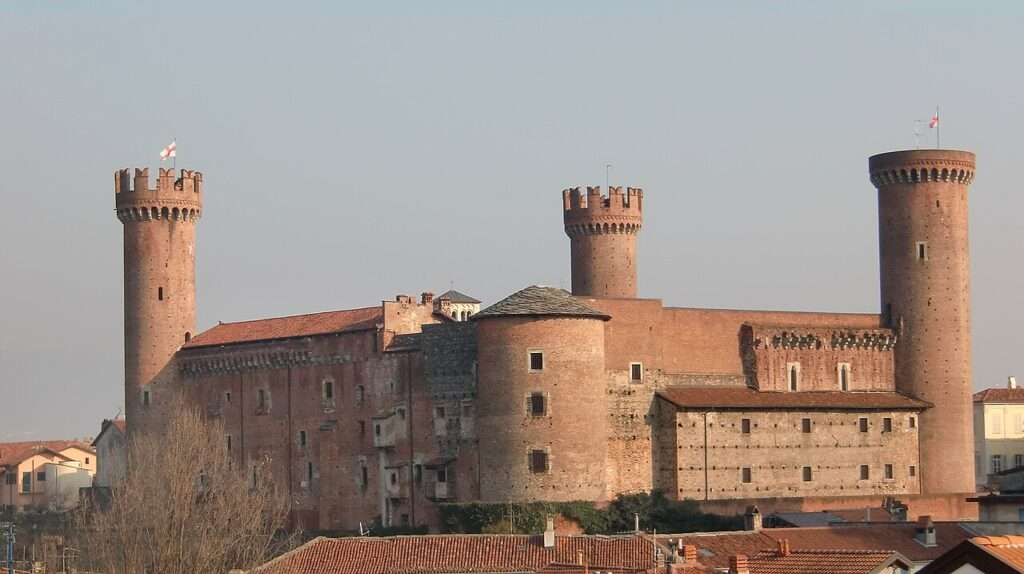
(925, 531)
(1011, 383)
(426, 298)
(783, 549)
(689, 554)
(738, 564)
(549, 533)
(752, 519)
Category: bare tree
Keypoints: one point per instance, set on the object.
(184, 506)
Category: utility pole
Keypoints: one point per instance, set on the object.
(8, 531)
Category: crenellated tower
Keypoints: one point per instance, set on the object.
(925, 297)
(602, 238)
(159, 273)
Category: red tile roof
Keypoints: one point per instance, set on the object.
(442, 554)
(1009, 549)
(1000, 395)
(824, 562)
(15, 452)
(743, 397)
(287, 327)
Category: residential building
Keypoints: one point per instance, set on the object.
(998, 430)
(981, 555)
(45, 474)
(111, 452)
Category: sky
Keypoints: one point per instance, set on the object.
(352, 152)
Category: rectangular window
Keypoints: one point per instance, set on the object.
(844, 376)
(364, 478)
(912, 422)
(11, 478)
(376, 429)
(865, 472)
(145, 398)
(41, 476)
(538, 408)
(302, 438)
(888, 472)
(417, 473)
(745, 426)
(309, 471)
(401, 412)
(538, 461)
(160, 293)
(328, 390)
(997, 463)
(1018, 460)
(536, 360)
(912, 471)
(863, 424)
(439, 412)
(745, 475)
(793, 376)
(227, 397)
(805, 425)
(261, 399)
(442, 475)
(922, 251)
(362, 428)
(636, 372)
(808, 475)
(26, 481)
(887, 424)
(227, 440)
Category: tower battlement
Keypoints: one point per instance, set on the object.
(921, 166)
(174, 198)
(592, 212)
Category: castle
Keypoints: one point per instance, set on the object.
(386, 411)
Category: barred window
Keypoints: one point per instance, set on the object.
(538, 461)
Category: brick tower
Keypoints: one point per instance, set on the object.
(925, 291)
(602, 237)
(159, 273)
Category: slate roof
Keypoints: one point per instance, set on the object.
(744, 397)
(540, 301)
(287, 327)
(444, 554)
(1000, 395)
(456, 297)
(824, 562)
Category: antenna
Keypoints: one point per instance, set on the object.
(607, 172)
(917, 134)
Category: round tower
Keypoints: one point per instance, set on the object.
(542, 415)
(602, 238)
(159, 272)
(925, 296)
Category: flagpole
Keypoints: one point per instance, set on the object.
(938, 128)
(174, 164)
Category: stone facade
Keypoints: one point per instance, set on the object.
(379, 414)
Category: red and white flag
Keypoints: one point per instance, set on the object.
(169, 151)
(932, 124)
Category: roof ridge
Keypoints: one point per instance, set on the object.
(297, 315)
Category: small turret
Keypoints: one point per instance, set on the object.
(602, 237)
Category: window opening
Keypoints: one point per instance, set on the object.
(863, 424)
(636, 372)
(362, 428)
(160, 293)
(328, 390)
(922, 250)
(261, 399)
(442, 475)
(364, 475)
(538, 408)
(794, 375)
(145, 398)
(997, 463)
(745, 426)
(746, 475)
(41, 476)
(536, 360)
(913, 422)
(913, 470)
(309, 472)
(888, 472)
(1018, 460)
(302, 438)
(887, 424)
(808, 474)
(805, 425)
(439, 412)
(227, 439)
(865, 472)
(227, 397)
(188, 336)
(538, 461)
(844, 377)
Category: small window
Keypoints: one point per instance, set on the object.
(417, 473)
(87, 459)
(160, 293)
(364, 478)
(844, 376)
(636, 372)
(912, 471)
(746, 475)
(922, 251)
(328, 390)
(793, 375)
(393, 477)
(309, 471)
(405, 517)
(912, 422)
(26, 481)
(227, 441)
(302, 438)
(865, 472)
(808, 474)
(261, 399)
(188, 336)
(11, 478)
(227, 397)
(401, 412)
(997, 463)
(360, 394)
(887, 424)
(863, 424)
(439, 413)
(41, 476)
(538, 406)
(888, 472)
(467, 410)
(376, 429)
(538, 461)
(1018, 460)
(536, 360)
(805, 425)
(442, 475)
(745, 426)
(362, 428)
(145, 398)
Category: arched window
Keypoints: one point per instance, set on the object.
(793, 374)
(844, 377)
(188, 336)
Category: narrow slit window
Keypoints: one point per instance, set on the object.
(160, 293)
(793, 376)
(922, 251)
(302, 438)
(328, 390)
(145, 398)
(309, 472)
(261, 399)
(844, 377)
(228, 442)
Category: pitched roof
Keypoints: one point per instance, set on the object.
(744, 397)
(825, 562)
(456, 297)
(538, 301)
(1000, 395)
(442, 554)
(287, 327)
(119, 424)
(15, 452)
(990, 554)
(1009, 549)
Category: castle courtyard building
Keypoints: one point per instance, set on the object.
(383, 412)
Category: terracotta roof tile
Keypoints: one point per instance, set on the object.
(823, 561)
(442, 554)
(1009, 549)
(15, 452)
(743, 397)
(286, 327)
(714, 549)
(1000, 395)
(537, 300)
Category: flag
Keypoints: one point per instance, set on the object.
(169, 151)
(932, 124)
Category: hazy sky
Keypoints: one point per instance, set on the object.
(354, 153)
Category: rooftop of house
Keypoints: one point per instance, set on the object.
(1008, 549)
(990, 554)
(1000, 395)
(744, 397)
(826, 517)
(456, 297)
(537, 300)
(444, 554)
(825, 561)
(324, 323)
(15, 452)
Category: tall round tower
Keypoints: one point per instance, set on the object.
(159, 272)
(925, 290)
(602, 238)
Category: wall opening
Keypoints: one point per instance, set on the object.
(160, 293)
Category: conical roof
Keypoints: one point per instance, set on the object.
(537, 300)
